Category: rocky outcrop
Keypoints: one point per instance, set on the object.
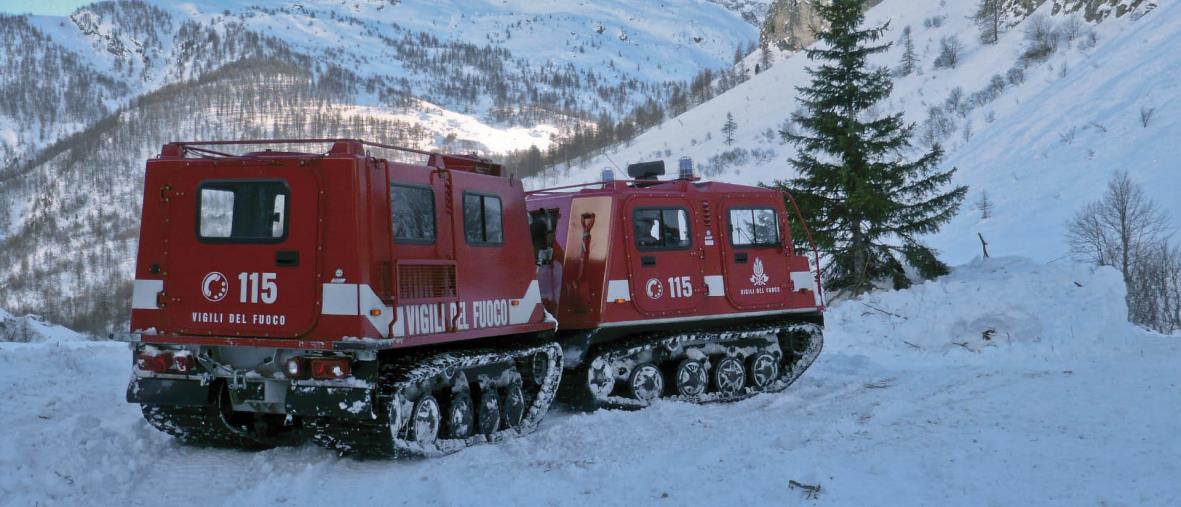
(789, 24)
(1098, 10)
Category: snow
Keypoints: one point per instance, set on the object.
(1067, 404)
(32, 329)
(1052, 143)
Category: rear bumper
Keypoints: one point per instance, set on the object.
(161, 391)
(312, 399)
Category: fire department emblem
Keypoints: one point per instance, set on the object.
(759, 277)
(655, 288)
(215, 286)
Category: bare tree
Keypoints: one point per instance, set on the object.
(1146, 115)
(1154, 289)
(1073, 28)
(1043, 37)
(1109, 231)
(950, 49)
(1127, 230)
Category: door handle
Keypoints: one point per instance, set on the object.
(740, 257)
(648, 260)
(287, 258)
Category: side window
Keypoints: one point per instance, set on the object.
(242, 211)
(754, 227)
(661, 228)
(414, 213)
(482, 219)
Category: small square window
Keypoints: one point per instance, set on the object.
(661, 228)
(414, 213)
(242, 211)
(754, 227)
(483, 219)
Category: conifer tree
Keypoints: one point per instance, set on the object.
(909, 59)
(866, 202)
(989, 14)
(729, 128)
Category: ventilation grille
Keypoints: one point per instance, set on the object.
(426, 281)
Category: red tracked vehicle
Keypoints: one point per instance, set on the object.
(676, 289)
(388, 308)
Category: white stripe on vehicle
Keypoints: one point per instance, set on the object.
(716, 285)
(618, 289)
(359, 300)
(340, 299)
(143, 294)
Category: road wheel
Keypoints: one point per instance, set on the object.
(514, 406)
(691, 378)
(426, 420)
(729, 376)
(461, 417)
(488, 412)
(762, 370)
(646, 383)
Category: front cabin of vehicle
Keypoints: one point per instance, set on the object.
(665, 253)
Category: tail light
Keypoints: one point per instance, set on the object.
(330, 368)
(158, 362)
(297, 367)
(184, 363)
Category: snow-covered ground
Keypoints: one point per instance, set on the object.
(1066, 404)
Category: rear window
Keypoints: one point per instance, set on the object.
(661, 228)
(482, 221)
(414, 213)
(754, 227)
(243, 211)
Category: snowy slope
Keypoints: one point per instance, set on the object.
(1040, 149)
(477, 58)
(1066, 405)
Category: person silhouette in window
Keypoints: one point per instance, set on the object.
(646, 232)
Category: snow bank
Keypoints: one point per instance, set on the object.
(34, 329)
(996, 303)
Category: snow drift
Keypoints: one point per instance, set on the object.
(1007, 303)
(32, 328)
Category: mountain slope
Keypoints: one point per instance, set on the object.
(1040, 137)
(506, 62)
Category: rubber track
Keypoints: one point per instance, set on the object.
(373, 438)
(201, 426)
(616, 353)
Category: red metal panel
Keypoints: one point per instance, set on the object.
(665, 280)
(756, 275)
(240, 287)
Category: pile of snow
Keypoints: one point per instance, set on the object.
(1072, 406)
(34, 329)
(997, 303)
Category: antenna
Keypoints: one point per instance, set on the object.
(612, 162)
